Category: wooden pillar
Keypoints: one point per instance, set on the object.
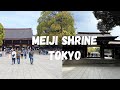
(12, 44)
(113, 52)
(28, 44)
(3, 42)
(20, 44)
(3, 45)
(102, 51)
(85, 51)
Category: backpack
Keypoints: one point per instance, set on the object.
(31, 54)
(13, 55)
(18, 54)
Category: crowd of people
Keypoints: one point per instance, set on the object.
(45, 51)
(18, 54)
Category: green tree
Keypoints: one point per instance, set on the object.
(97, 49)
(56, 23)
(91, 49)
(108, 20)
(1, 34)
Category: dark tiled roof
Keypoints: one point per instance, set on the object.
(92, 34)
(18, 33)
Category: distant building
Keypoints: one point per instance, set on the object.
(17, 38)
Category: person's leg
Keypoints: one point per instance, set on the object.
(14, 60)
(32, 60)
(25, 56)
(22, 56)
(19, 60)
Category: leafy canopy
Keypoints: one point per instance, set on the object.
(56, 23)
(108, 20)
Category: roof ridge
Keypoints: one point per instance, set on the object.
(18, 28)
(91, 33)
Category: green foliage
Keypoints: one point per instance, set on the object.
(1, 34)
(56, 23)
(93, 49)
(108, 20)
(97, 49)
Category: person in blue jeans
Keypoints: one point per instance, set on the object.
(31, 54)
(18, 56)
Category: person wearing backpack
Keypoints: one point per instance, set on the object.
(13, 56)
(18, 56)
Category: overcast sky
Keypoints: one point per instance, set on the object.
(84, 20)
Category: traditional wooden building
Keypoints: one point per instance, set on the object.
(104, 42)
(17, 38)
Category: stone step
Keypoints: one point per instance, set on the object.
(90, 61)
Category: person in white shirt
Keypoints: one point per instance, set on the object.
(13, 56)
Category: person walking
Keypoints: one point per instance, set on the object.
(22, 53)
(13, 56)
(31, 53)
(25, 53)
(18, 56)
